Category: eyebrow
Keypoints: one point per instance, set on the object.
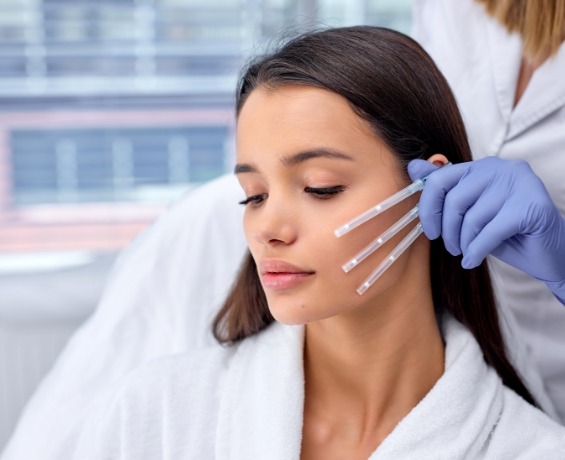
(298, 158)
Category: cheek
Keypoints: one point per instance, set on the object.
(348, 246)
(246, 226)
(248, 229)
(334, 291)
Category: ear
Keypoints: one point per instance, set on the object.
(438, 159)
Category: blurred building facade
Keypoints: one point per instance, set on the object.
(110, 109)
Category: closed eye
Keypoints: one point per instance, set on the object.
(324, 193)
(254, 199)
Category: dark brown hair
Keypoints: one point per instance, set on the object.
(390, 81)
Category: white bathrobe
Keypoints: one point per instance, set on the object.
(246, 403)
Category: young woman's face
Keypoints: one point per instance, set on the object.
(308, 164)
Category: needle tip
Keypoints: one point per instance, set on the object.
(349, 265)
(361, 289)
(341, 231)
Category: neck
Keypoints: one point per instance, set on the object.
(365, 372)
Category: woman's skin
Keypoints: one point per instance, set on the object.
(368, 360)
(527, 69)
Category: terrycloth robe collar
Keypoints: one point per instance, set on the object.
(261, 408)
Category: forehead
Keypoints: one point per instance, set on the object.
(293, 118)
(288, 102)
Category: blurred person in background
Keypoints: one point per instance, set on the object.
(505, 62)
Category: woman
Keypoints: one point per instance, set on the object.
(414, 368)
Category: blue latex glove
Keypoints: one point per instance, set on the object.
(498, 207)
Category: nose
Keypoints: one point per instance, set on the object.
(276, 224)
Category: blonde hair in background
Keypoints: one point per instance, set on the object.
(541, 23)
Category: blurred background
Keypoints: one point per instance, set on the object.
(109, 111)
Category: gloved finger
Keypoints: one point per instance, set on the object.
(493, 234)
(420, 168)
(458, 201)
(485, 209)
(430, 207)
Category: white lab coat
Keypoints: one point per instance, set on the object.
(481, 61)
(247, 403)
(167, 286)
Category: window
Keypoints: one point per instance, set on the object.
(113, 164)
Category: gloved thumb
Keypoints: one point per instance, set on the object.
(420, 168)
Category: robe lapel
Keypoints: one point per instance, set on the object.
(262, 403)
(458, 415)
(261, 408)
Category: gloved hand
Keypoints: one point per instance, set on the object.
(498, 207)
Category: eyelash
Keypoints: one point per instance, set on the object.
(323, 193)
(255, 199)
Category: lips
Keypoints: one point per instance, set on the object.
(279, 275)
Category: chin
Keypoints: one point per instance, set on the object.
(295, 313)
(290, 318)
(287, 311)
